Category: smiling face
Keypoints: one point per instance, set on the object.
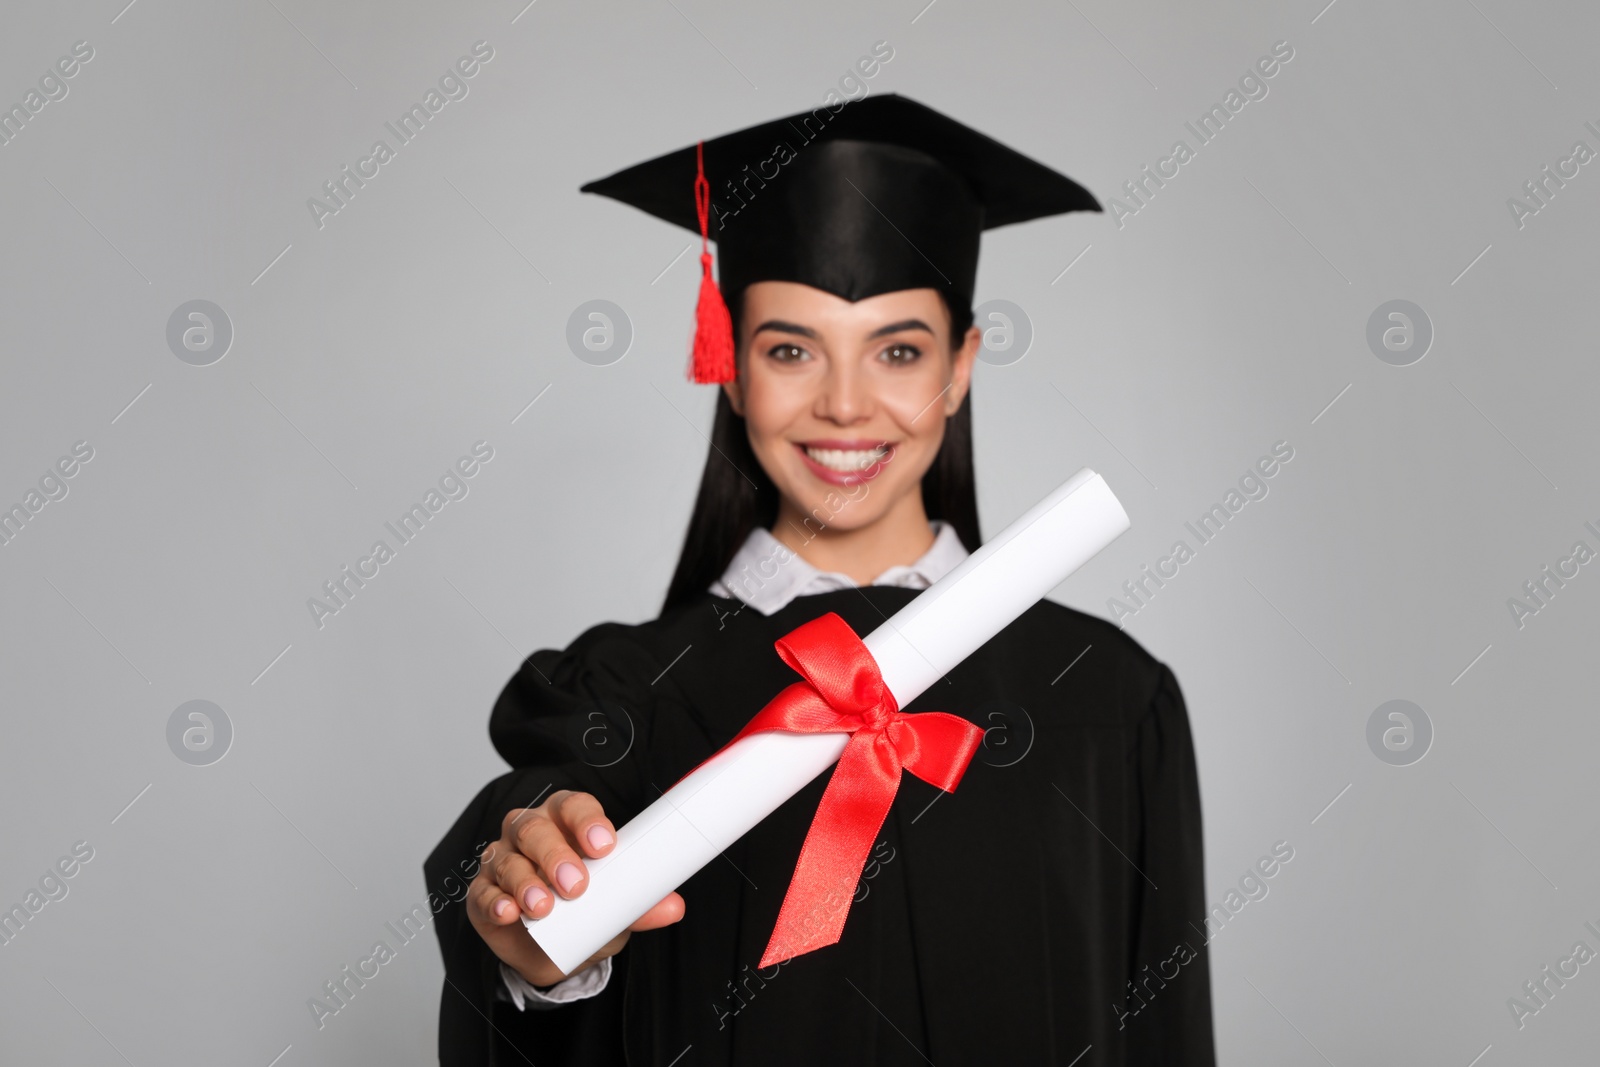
(845, 403)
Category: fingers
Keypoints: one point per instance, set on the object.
(514, 876)
(497, 920)
(541, 855)
(668, 911)
(585, 823)
(550, 836)
(488, 905)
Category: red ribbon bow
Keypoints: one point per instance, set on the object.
(843, 692)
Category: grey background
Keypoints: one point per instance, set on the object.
(1224, 316)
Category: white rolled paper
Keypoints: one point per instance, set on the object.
(695, 820)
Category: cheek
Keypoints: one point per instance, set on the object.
(916, 405)
(920, 450)
(771, 407)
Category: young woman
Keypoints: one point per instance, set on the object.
(1046, 911)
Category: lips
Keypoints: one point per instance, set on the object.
(845, 462)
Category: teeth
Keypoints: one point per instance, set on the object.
(847, 461)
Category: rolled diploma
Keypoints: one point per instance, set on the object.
(719, 802)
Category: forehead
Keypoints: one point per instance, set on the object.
(804, 305)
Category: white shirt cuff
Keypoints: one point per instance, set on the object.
(589, 982)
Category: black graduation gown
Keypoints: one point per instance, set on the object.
(999, 924)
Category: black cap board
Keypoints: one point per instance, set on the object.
(873, 196)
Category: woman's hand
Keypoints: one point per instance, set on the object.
(540, 853)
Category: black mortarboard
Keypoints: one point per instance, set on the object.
(869, 197)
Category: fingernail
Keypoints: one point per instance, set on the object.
(533, 897)
(502, 909)
(600, 837)
(567, 876)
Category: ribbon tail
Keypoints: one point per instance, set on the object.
(853, 809)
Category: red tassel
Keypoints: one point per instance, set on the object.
(713, 332)
(712, 359)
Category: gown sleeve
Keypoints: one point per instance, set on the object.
(1174, 1025)
(566, 720)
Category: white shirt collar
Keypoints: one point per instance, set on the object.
(767, 575)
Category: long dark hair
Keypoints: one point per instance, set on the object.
(736, 495)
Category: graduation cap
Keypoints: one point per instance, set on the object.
(877, 195)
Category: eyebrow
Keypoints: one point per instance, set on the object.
(897, 327)
(806, 331)
(788, 327)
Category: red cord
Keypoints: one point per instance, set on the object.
(712, 358)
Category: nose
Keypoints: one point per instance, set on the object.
(845, 398)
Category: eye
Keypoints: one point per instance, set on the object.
(788, 353)
(900, 355)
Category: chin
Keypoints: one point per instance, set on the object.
(843, 507)
(835, 517)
